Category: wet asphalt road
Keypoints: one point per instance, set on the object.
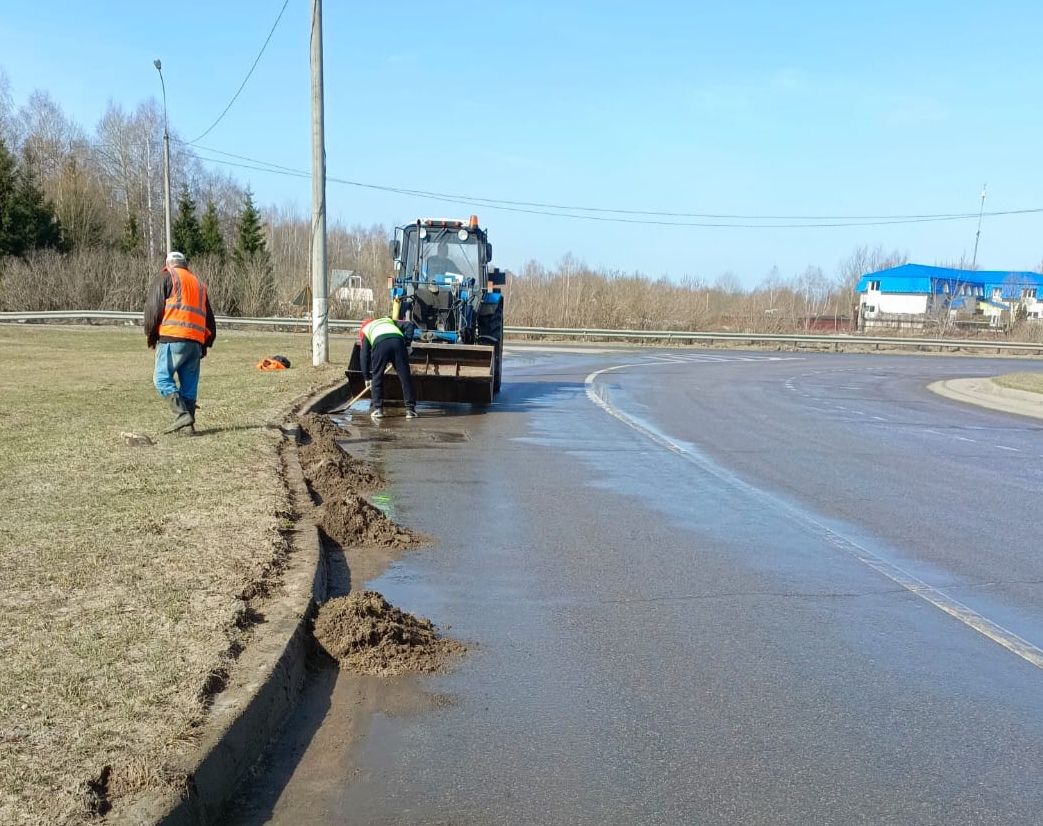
(718, 588)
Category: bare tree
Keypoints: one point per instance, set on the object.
(47, 136)
(568, 267)
(6, 111)
(865, 259)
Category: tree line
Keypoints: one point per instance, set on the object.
(82, 227)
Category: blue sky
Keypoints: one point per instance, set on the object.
(753, 108)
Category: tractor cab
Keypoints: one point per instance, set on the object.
(443, 281)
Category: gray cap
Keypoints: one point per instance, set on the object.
(177, 259)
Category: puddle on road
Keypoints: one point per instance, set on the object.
(361, 430)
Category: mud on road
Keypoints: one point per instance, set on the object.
(361, 631)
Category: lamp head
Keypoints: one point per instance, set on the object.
(158, 64)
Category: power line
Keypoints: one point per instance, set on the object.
(248, 74)
(752, 222)
(476, 199)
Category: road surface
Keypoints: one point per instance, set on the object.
(703, 587)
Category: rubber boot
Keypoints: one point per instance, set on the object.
(190, 405)
(182, 417)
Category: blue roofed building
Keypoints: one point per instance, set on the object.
(909, 295)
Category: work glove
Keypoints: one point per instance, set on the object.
(369, 384)
(203, 354)
(151, 339)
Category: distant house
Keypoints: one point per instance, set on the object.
(905, 296)
(346, 288)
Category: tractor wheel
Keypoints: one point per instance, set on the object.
(496, 331)
(498, 370)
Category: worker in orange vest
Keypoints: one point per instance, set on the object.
(179, 319)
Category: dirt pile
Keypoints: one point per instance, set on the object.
(327, 468)
(362, 631)
(351, 521)
(366, 634)
(320, 428)
(337, 479)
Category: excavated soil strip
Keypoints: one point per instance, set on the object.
(361, 631)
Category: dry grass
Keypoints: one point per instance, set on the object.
(121, 565)
(1032, 382)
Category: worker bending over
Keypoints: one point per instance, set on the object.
(383, 341)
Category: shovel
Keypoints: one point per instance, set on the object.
(346, 406)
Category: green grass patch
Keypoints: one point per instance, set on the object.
(121, 564)
(1032, 382)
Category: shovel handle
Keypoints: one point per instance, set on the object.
(345, 406)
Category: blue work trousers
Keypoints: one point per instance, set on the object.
(180, 359)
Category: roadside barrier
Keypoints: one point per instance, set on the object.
(796, 340)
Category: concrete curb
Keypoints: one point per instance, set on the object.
(269, 675)
(986, 393)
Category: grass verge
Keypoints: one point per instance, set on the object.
(124, 567)
(1032, 382)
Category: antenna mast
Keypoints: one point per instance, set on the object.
(977, 235)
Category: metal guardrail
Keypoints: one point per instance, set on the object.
(779, 338)
(582, 333)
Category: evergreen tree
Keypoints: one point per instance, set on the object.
(211, 240)
(27, 218)
(130, 241)
(185, 232)
(8, 182)
(253, 263)
(250, 245)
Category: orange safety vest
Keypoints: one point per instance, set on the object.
(184, 315)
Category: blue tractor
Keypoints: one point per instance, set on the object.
(445, 285)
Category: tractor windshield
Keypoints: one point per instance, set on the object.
(442, 253)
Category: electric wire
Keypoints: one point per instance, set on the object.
(248, 74)
(476, 199)
(749, 222)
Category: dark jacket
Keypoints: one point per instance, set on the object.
(155, 305)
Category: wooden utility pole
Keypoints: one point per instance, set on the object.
(320, 305)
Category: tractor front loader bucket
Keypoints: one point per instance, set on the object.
(441, 373)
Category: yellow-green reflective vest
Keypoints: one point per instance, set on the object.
(380, 327)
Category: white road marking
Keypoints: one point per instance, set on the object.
(1012, 449)
(965, 439)
(939, 599)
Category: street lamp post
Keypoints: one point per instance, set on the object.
(166, 151)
